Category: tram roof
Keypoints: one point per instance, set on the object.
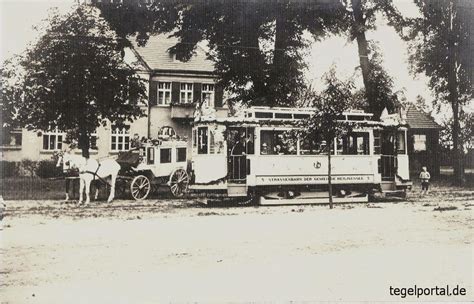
(257, 116)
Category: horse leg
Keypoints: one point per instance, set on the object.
(88, 188)
(113, 178)
(96, 192)
(67, 188)
(81, 189)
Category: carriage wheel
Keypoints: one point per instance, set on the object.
(179, 182)
(140, 187)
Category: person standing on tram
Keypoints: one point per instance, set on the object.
(239, 163)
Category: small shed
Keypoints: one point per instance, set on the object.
(423, 141)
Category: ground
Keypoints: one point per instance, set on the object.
(163, 250)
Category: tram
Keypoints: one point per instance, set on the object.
(254, 155)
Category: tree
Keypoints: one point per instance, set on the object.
(256, 45)
(377, 82)
(441, 48)
(74, 78)
(325, 124)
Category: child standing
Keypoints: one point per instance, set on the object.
(425, 180)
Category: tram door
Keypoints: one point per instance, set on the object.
(389, 157)
(240, 143)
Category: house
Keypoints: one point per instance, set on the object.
(423, 141)
(174, 89)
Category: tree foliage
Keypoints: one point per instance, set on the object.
(325, 124)
(257, 46)
(441, 48)
(74, 78)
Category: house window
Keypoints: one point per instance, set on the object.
(208, 95)
(165, 155)
(120, 139)
(164, 93)
(186, 93)
(181, 154)
(53, 140)
(419, 142)
(11, 137)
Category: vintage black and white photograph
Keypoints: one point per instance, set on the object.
(236, 151)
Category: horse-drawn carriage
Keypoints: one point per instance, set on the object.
(155, 163)
(139, 171)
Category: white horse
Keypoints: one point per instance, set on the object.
(89, 170)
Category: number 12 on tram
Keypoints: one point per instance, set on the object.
(256, 155)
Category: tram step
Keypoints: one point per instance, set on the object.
(388, 186)
(234, 190)
(313, 200)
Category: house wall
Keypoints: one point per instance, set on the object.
(429, 157)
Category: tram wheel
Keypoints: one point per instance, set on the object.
(140, 187)
(179, 182)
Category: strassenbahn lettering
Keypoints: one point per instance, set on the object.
(313, 179)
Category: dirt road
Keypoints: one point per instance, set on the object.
(161, 251)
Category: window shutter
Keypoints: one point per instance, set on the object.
(197, 87)
(175, 88)
(153, 92)
(219, 95)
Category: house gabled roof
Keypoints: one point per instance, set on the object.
(155, 54)
(417, 119)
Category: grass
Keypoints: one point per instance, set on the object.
(31, 188)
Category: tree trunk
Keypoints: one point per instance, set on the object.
(329, 174)
(453, 52)
(84, 143)
(363, 49)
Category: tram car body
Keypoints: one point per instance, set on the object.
(253, 155)
(154, 163)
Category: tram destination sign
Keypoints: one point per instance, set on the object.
(312, 179)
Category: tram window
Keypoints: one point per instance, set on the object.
(181, 154)
(377, 142)
(165, 155)
(283, 115)
(202, 140)
(277, 142)
(354, 144)
(263, 115)
(301, 116)
(312, 147)
(401, 149)
(212, 143)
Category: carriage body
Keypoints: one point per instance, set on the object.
(254, 153)
(155, 163)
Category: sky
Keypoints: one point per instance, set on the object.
(19, 16)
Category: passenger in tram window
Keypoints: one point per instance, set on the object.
(278, 150)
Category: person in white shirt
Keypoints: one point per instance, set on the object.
(425, 180)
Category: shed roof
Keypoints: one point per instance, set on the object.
(417, 119)
(157, 57)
